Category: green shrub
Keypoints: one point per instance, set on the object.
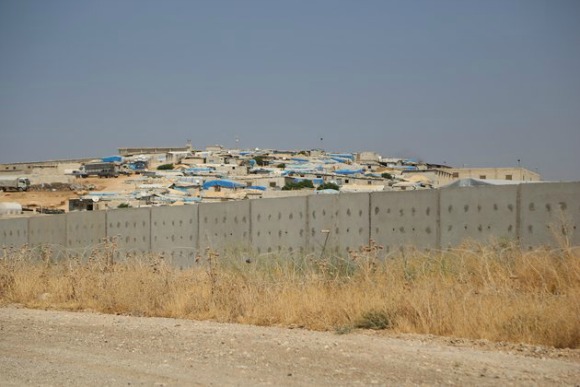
(375, 320)
(292, 186)
(165, 167)
(261, 161)
(387, 176)
(328, 186)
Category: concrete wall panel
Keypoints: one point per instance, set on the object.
(278, 225)
(402, 219)
(224, 226)
(130, 228)
(353, 229)
(481, 214)
(49, 230)
(13, 232)
(85, 231)
(338, 223)
(174, 234)
(323, 215)
(550, 214)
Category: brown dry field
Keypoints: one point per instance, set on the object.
(59, 199)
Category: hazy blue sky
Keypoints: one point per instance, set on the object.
(480, 83)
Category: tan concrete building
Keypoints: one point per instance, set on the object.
(517, 174)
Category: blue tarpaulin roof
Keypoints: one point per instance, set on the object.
(258, 187)
(348, 171)
(112, 159)
(222, 183)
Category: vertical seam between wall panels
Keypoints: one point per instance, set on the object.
(151, 230)
(306, 240)
(370, 207)
(518, 214)
(66, 246)
(106, 226)
(438, 221)
(250, 225)
(198, 242)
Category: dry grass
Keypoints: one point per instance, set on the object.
(492, 292)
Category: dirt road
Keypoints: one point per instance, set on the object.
(65, 348)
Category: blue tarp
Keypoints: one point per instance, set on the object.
(348, 171)
(317, 181)
(112, 159)
(258, 187)
(349, 156)
(299, 160)
(222, 183)
(137, 165)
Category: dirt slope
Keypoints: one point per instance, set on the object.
(64, 348)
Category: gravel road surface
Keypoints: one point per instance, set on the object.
(54, 348)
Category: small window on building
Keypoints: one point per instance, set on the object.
(369, 182)
(456, 174)
(482, 177)
(233, 167)
(508, 177)
(272, 184)
(346, 181)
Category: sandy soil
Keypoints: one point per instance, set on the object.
(59, 198)
(66, 348)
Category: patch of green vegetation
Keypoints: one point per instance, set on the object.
(293, 186)
(165, 167)
(328, 186)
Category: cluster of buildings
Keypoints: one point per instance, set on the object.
(182, 175)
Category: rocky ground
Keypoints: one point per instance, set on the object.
(66, 348)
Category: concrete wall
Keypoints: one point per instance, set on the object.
(278, 225)
(534, 214)
(174, 233)
(401, 219)
(338, 223)
(85, 230)
(130, 230)
(550, 214)
(224, 226)
(13, 232)
(47, 230)
(482, 214)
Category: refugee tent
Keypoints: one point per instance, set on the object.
(222, 183)
(470, 182)
(10, 208)
(348, 171)
(112, 159)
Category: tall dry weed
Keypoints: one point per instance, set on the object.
(494, 292)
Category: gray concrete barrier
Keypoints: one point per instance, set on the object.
(480, 214)
(550, 214)
(531, 214)
(278, 226)
(402, 219)
(174, 234)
